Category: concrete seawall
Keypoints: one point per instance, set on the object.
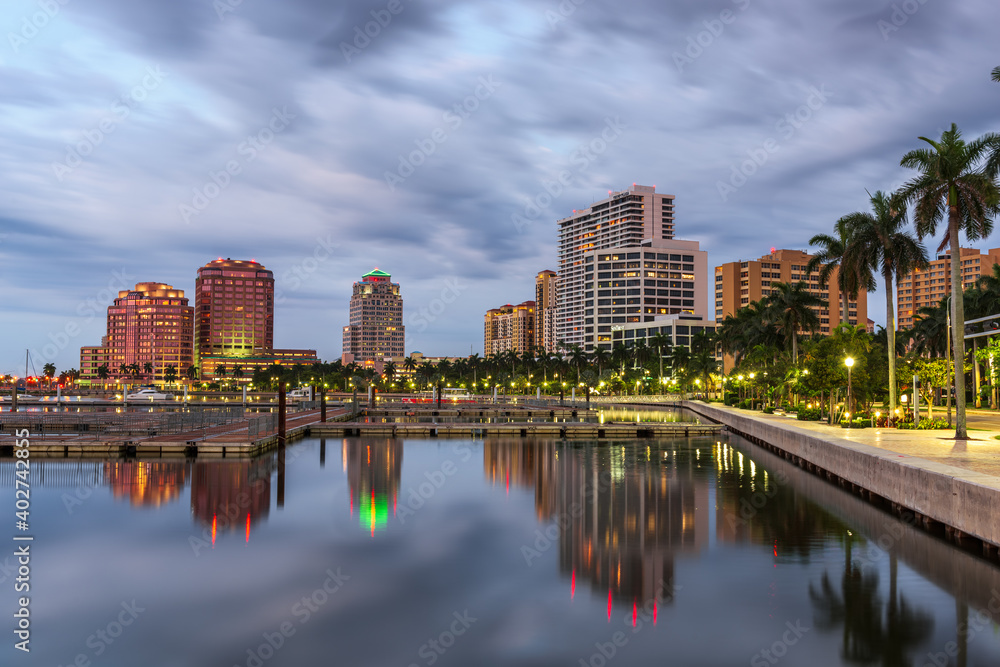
(963, 501)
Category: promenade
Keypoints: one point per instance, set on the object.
(943, 481)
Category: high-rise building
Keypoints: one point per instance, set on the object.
(619, 264)
(928, 286)
(234, 303)
(737, 284)
(545, 310)
(234, 334)
(151, 324)
(509, 328)
(376, 332)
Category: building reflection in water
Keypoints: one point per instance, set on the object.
(144, 483)
(374, 469)
(620, 514)
(230, 496)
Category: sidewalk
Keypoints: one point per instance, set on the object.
(979, 454)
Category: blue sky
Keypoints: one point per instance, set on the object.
(143, 139)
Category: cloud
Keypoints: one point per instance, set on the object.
(359, 116)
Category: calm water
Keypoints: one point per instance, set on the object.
(375, 552)
(604, 415)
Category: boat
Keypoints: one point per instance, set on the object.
(148, 394)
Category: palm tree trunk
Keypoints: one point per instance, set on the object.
(890, 336)
(958, 321)
(976, 376)
(843, 302)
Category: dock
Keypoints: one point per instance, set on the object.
(235, 433)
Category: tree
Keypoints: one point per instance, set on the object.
(953, 184)
(148, 368)
(830, 258)
(791, 307)
(660, 341)
(103, 371)
(238, 371)
(996, 74)
(170, 374)
(192, 372)
(880, 242)
(49, 371)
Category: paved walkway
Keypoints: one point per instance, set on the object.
(979, 454)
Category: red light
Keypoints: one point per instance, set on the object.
(654, 611)
(634, 612)
(248, 527)
(572, 590)
(772, 248)
(609, 605)
(214, 523)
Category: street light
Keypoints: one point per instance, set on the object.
(849, 362)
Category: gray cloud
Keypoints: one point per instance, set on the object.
(325, 173)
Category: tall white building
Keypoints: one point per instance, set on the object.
(619, 264)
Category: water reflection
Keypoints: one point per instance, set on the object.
(750, 541)
(374, 468)
(146, 484)
(230, 496)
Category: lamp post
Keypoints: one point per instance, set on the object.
(849, 362)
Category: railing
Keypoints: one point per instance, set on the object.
(112, 426)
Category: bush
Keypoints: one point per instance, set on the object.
(925, 424)
(808, 414)
(768, 410)
(857, 422)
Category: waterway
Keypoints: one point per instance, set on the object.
(444, 552)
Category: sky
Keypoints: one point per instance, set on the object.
(440, 140)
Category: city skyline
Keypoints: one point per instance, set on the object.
(201, 133)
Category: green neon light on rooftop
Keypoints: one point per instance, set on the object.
(378, 273)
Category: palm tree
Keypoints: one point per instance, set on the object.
(996, 73)
(599, 357)
(148, 368)
(170, 374)
(389, 370)
(791, 308)
(660, 341)
(619, 355)
(953, 181)
(831, 258)
(191, 372)
(879, 241)
(237, 371)
(578, 358)
(49, 371)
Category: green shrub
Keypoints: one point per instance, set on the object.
(808, 414)
(857, 422)
(768, 410)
